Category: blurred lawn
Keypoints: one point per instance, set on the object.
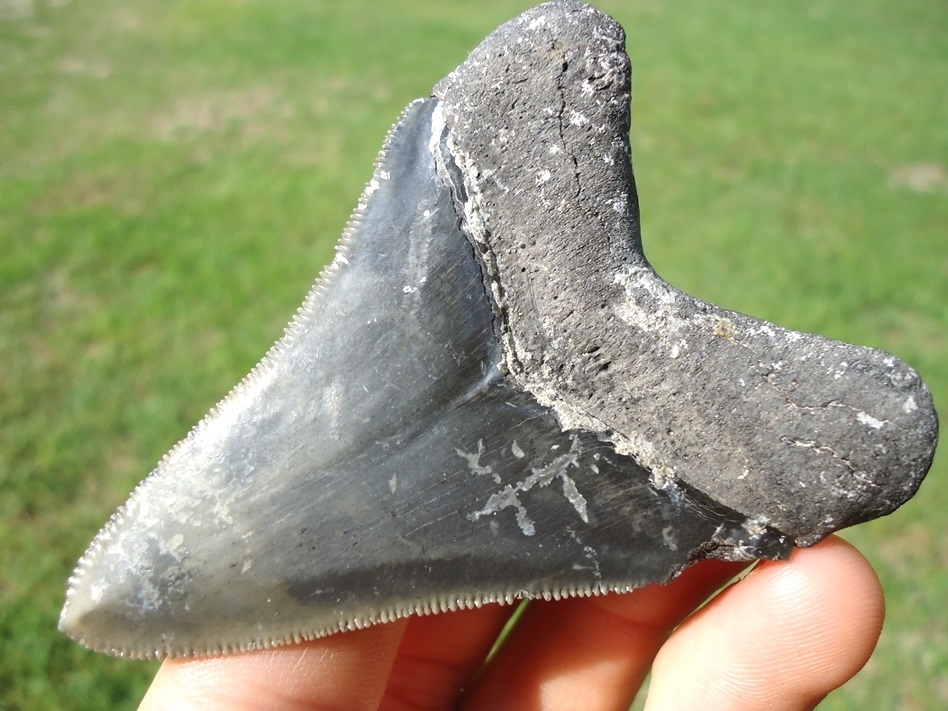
(174, 173)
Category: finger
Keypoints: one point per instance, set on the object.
(591, 653)
(340, 671)
(439, 654)
(781, 639)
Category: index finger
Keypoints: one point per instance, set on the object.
(340, 671)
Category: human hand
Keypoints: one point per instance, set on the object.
(780, 639)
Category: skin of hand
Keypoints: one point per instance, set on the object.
(779, 639)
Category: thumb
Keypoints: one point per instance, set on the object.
(781, 639)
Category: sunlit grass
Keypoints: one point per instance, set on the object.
(174, 174)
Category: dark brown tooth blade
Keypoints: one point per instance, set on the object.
(490, 395)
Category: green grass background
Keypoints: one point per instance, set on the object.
(174, 173)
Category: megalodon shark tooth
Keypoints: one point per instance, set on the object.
(490, 395)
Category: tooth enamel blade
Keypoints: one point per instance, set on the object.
(376, 464)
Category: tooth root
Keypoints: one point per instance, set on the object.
(717, 399)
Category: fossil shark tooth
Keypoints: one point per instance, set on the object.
(489, 395)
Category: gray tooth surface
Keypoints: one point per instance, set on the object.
(490, 395)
